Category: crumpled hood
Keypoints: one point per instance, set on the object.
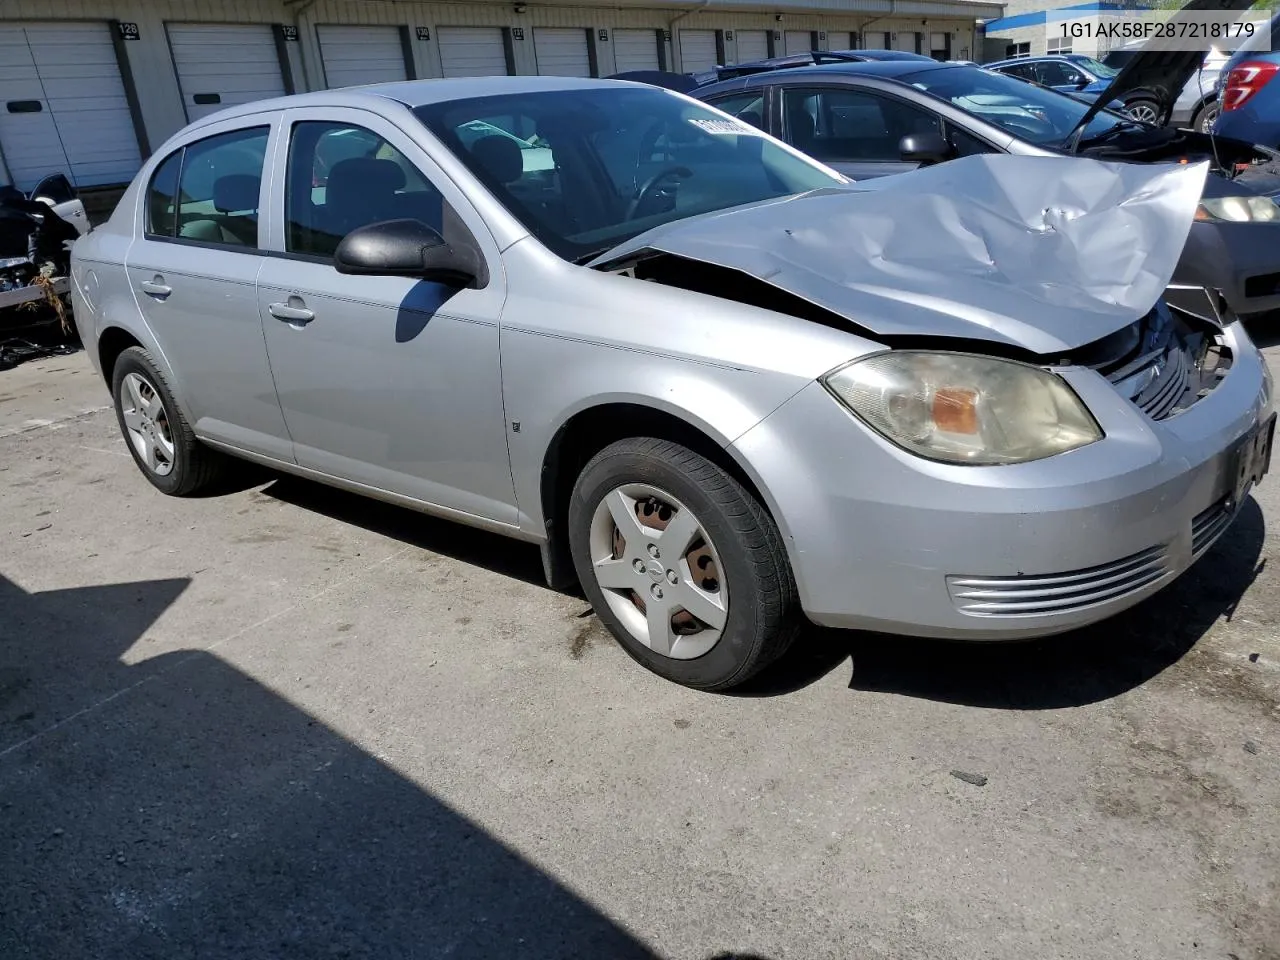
(1042, 253)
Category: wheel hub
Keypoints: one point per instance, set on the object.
(664, 581)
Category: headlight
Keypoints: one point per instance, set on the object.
(962, 408)
(1239, 209)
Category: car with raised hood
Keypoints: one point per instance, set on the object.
(717, 384)
(875, 119)
(1196, 104)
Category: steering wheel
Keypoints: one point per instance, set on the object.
(651, 186)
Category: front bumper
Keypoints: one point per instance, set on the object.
(882, 540)
(1240, 259)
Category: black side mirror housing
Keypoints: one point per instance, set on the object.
(1082, 83)
(925, 148)
(407, 248)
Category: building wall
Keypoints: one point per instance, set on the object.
(159, 106)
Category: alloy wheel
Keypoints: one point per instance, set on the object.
(147, 423)
(659, 571)
(1142, 111)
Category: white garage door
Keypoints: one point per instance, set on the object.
(472, 52)
(63, 107)
(905, 41)
(220, 65)
(798, 41)
(841, 40)
(697, 50)
(355, 55)
(752, 45)
(635, 50)
(561, 52)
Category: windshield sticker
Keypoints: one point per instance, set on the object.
(733, 128)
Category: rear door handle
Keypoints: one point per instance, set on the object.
(290, 314)
(156, 288)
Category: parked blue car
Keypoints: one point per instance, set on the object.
(1249, 97)
(1078, 76)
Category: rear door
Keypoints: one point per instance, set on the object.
(193, 269)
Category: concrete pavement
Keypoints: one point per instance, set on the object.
(288, 722)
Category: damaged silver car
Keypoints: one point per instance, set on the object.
(717, 384)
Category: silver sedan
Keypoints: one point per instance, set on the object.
(718, 385)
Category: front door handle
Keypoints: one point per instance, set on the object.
(156, 288)
(291, 314)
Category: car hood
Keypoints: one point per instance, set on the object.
(1161, 69)
(1045, 254)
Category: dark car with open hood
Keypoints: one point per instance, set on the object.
(873, 119)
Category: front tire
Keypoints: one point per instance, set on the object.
(1143, 110)
(157, 435)
(681, 563)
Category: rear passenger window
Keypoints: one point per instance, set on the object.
(208, 190)
(342, 177)
(162, 197)
(219, 187)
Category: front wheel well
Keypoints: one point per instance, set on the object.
(586, 434)
(113, 342)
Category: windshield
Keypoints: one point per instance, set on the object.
(1029, 112)
(586, 169)
(1096, 67)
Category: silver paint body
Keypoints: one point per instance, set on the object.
(389, 393)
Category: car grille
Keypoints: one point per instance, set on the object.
(1161, 364)
(1027, 596)
(1207, 526)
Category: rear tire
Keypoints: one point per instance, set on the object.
(1204, 117)
(661, 527)
(155, 431)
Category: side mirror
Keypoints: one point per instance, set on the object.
(1082, 82)
(407, 248)
(924, 148)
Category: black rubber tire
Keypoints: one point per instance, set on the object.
(1198, 119)
(195, 466)
(1143, 100)
(763, 616)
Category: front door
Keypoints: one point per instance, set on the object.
(193, 270)
(855, 131)
(390, 382)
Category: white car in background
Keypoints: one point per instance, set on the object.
(1197, 103)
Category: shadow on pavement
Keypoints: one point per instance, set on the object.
(199, 814)
(1264, 330)
(1067, 670)
(1071, 669)
(503, 555)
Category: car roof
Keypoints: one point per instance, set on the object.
(874, 68)
(411, 93)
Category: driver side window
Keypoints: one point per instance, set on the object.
(342, 177)
(839, 123)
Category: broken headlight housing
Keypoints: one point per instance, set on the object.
(964, 408)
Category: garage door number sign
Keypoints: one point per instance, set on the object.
(129, 31)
